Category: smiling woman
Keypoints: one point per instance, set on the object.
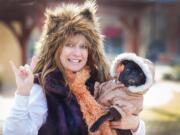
(74, 54)
(44, 102)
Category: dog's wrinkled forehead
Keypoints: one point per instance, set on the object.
(130, 64)
(132, 75)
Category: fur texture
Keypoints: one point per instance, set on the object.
(146, 66)
(126, 100)
(91, 110)
(64, 115)
(70, 19)
(60, 24)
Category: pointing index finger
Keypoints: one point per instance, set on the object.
(14, 68)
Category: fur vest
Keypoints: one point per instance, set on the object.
(64, 115)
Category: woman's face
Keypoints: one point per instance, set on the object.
(74, 54)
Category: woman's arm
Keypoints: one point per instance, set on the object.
(27, 114)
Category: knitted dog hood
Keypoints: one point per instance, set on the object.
(146, 66)
(69, 19)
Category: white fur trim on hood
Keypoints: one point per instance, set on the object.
(146, 66)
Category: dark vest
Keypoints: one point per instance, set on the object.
(64, 115)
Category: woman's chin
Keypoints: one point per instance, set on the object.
(74, 70)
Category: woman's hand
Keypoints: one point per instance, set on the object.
(24, 78)
(129, 122)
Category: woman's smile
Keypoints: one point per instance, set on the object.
(74, 53)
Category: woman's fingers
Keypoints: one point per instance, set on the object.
(116, 124)
(27, 68)
(24, 78)
(22, 70)
(14, 68)
(129, 122)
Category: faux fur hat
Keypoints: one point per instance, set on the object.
(146, 66)
(68, 19)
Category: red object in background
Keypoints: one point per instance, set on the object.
(112, 32)
(164, 58)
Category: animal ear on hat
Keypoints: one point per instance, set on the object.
(52, 22)
(89, 10)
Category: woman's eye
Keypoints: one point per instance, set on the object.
(69, 45)
(84, 46)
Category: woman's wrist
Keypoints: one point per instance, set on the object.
(23, 92)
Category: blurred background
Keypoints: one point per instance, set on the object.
(150, 28)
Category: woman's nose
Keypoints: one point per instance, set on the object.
(77, 51)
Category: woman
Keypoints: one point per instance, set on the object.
(71, 40)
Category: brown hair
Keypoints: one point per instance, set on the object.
(60, 25)
(49, 60)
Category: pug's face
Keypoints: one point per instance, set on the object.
(132, 74)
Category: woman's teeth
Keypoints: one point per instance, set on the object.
(75, 61)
